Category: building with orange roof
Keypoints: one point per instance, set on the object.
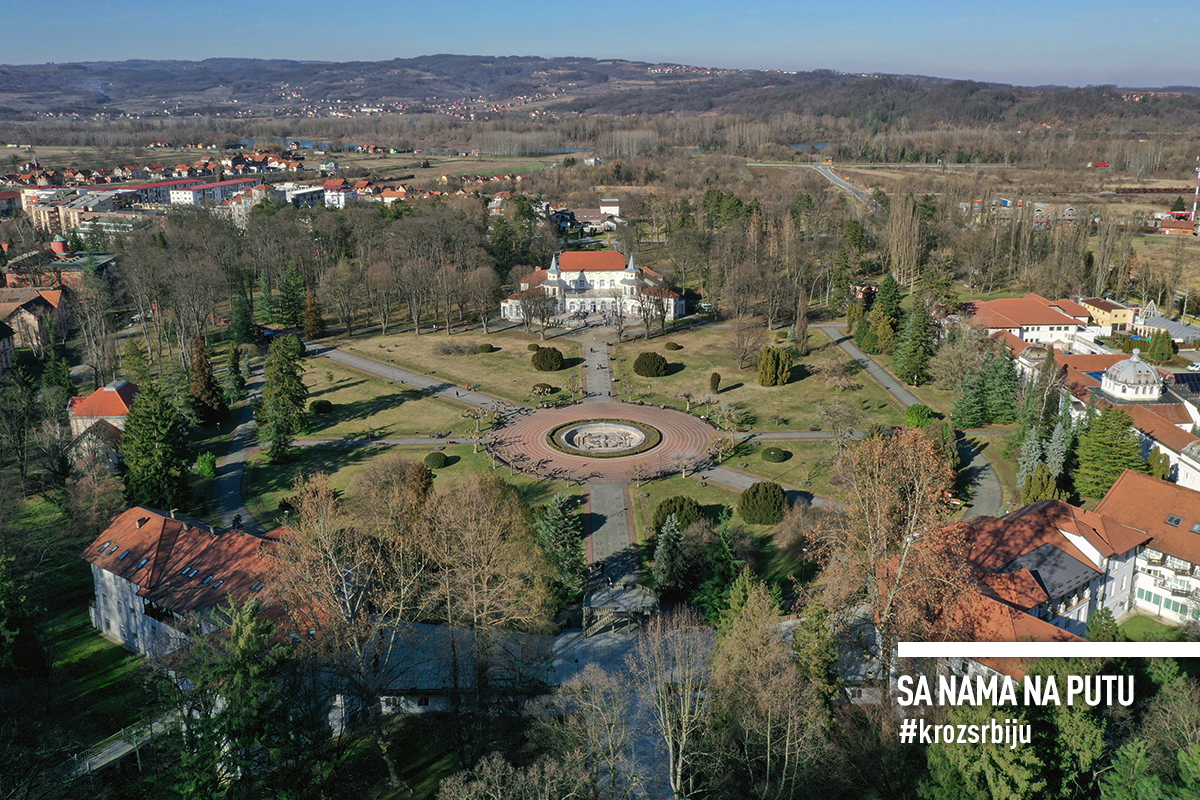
(98, 420)
(598, 282)
(1168, 567)
(1031, 318)
(154, 570)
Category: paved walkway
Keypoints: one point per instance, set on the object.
(430, 384)
(877, 372)
(227, 487)
(597, 365)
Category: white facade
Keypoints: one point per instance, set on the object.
(121, 614)
(623, 292)
(1167, 586)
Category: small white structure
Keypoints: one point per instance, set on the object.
(1132, 379)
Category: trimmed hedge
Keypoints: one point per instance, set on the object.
(714, 382)
(487, 347)
(763, 503)
(548, 359)
(650, 365)
(320, 406)
(533, 347)
(673, 346)
(686, 510)
(435, 460)
(775, 455)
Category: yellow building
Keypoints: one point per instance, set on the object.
(1108, 313)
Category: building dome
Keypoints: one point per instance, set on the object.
(1132, 379)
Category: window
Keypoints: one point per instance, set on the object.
(1141, 594)
(964, 668)
(142, 563)
(206, 580)
(1196, 528)
(192, 572)
(257, 587)
(104, 546)
(422, 701)
(856, 694)
(1123, 582)
(123, 555)
(218, 583)
(1174, 520)
(184, 571)
(1157, 599)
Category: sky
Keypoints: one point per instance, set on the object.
(1010, 41)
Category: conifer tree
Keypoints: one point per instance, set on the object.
(865, 338)
(1056, 450)
(887, 299)
(314, 323)
(135, 363)
(915, 347)
(854, 314)
(242, 319)
(883, 328)
(290, 302)
(205, 392)
(559, 533)
(281, 414)
(155, 451)
(1108, 447)
(1039, 485)
(58, 373)
(1001, 387)
(970, 410)
(669, 568)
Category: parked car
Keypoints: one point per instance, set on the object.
(1194, 366)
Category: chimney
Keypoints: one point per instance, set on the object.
(173, 510)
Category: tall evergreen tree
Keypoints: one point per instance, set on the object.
(883, 328)
(559, 533)
(155, 451)
(242, 319)
(1039, 485)
(1031, 456)
(1002, 384)
(314, 323)
(1056, 450)
(290, 302)
(915, 347)
(1108, 447)
(205, 392)
(865, 338)
(281, 413)
(1130, 777)
(887, 299)
(970, 410)
(670, 571)
(134, 362)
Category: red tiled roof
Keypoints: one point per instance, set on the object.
(113, 400)
(1018, 312)
(1104, 305)
(1143, 502)
(1147, 420)
(980, 618)
(1014, 343)
(997, 542)
(1018, 588)
(161, 549)
(591, 261)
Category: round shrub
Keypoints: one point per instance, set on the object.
(673, 346)
(533, 347)
(686, 510)
(763, 503)
(487, 347)
(650, 365)
(775, 455)
(917, 416)
(548, 359)
(320, 406)
(206, 464)
(435, 460)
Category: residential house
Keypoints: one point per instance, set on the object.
(27, 312)
(153, 571)
(98, 420)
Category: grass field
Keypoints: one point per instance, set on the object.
(705, 350)
(1148, 629)
(92, 683)
(809, 467)
(366, 407)
(265, 484)
(506, 373)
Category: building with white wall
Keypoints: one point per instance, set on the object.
(597, 282)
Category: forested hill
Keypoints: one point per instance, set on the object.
(484, 86)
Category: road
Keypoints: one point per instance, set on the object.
(828, 173)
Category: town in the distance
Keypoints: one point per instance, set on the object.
(560, 455)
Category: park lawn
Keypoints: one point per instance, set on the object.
(95, 685)
(809, 468)
(1148, 629)
(265, 484)
(507, 373)
(367, 407)
(705, 351)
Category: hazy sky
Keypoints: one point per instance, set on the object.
(1015, 41)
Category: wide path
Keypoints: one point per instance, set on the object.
(597, 365)
(430, 384)
(987, 497)
(877, 372)
(227, 487)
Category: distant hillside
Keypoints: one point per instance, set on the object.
(481, 87)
